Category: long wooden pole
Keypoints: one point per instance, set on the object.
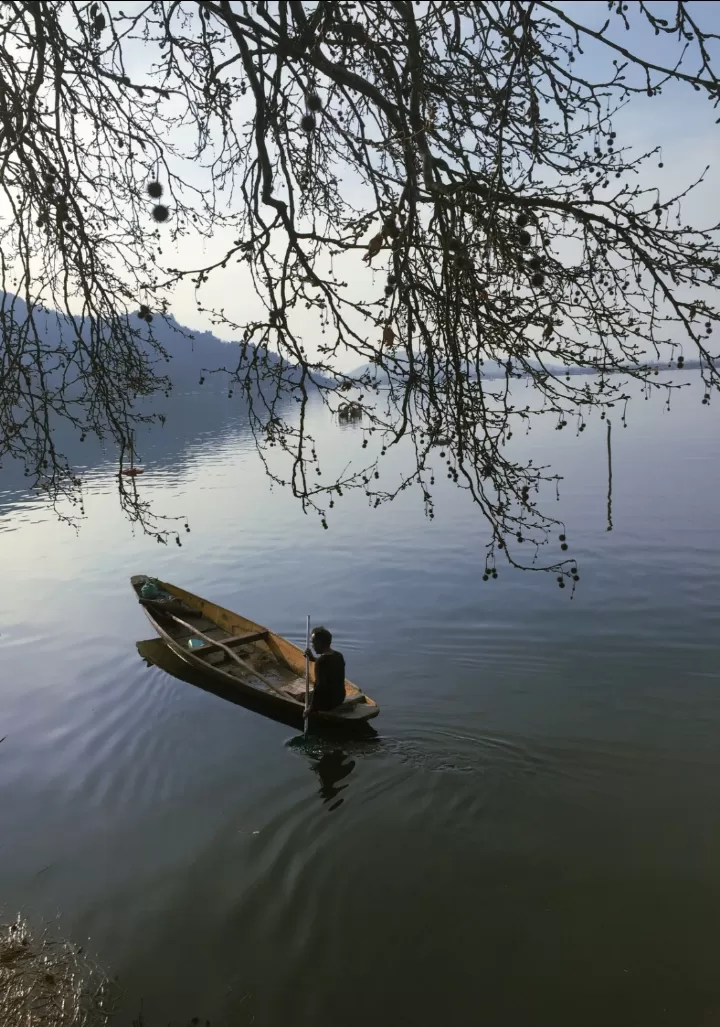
(307, 674)
(246, 666)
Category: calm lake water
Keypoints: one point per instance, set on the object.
(533, 837)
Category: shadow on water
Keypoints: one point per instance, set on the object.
(333, 761)
(324, 747)
(332, 768)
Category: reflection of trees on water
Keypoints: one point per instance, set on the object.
(191, 419)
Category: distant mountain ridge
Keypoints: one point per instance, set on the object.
(195, 354)
(192, 354)
(494, 369)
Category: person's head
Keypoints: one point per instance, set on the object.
(321, 640)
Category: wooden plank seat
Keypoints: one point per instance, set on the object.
(352, 700)
(296, 689)
(211, 647)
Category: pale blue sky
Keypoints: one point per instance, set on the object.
(681, 121)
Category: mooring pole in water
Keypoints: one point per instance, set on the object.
(609, 477)
(307, 674)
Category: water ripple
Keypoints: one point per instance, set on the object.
(539, 794)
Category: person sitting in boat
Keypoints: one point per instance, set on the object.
(329, 688)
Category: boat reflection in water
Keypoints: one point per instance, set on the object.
(328, 760)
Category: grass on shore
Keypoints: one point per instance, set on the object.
(49, 983)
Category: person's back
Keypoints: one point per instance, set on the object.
(329, 688)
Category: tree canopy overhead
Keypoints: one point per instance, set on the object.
(427, 188)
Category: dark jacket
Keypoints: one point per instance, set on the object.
(329, 682)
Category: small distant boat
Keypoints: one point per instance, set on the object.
(232, 650)
(350, 412)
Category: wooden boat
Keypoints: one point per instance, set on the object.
(236, 651)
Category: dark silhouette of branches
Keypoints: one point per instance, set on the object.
(463, 151)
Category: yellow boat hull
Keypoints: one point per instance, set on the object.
(237, 652)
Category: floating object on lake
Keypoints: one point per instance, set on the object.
(132, 470)
(350, 412)
(234, 649)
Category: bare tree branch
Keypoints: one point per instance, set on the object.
(465, 151)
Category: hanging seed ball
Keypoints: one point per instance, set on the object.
(161, 212)
(681, 362)
(562, 584)
(538, 279)
(486, 577)
(155, 190)
(564, 547)
(562, 538)
(314, 102)
(535, 263)
(524, 238)
(308, 123)
(521, 220)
